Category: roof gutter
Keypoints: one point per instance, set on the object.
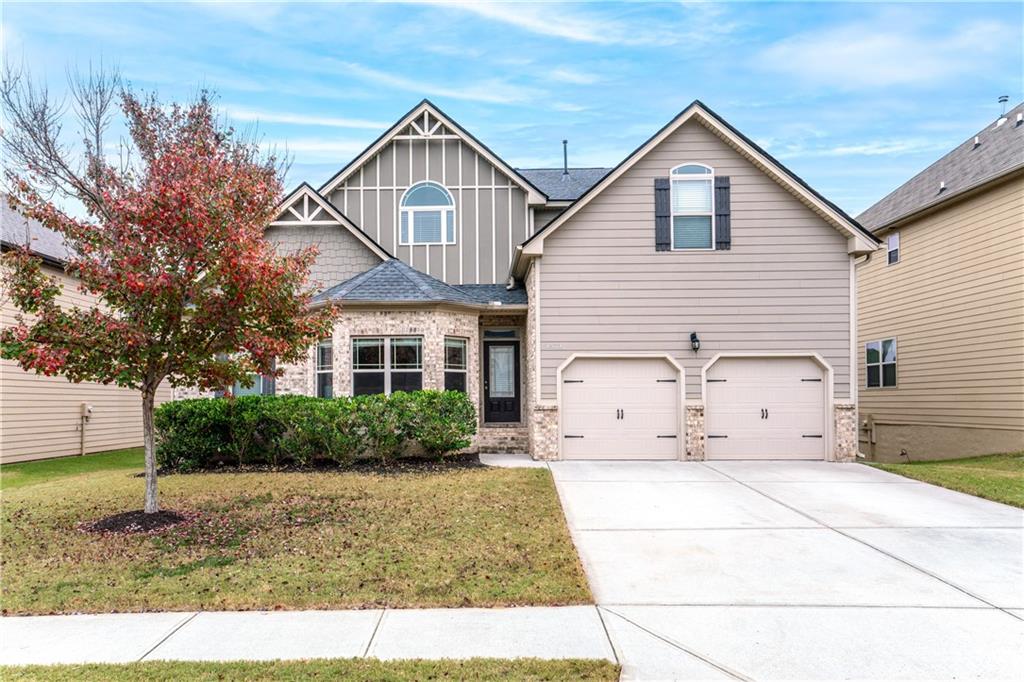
(48, 260)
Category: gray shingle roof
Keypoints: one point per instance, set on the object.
(561, 187)
(395, 282)
(1000, 149)
(494, 293)
(15, 229)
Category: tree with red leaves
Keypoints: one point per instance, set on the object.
(171, 245)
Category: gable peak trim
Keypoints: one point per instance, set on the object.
(314, 204)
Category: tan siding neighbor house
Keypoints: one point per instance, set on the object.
(42, 417)
(941, 309)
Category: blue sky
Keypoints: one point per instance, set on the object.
(855, 98)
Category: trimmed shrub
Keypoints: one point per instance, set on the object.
(443, 422)
(204, 433)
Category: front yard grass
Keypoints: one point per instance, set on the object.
(994, 477)
(477, 669)
(41, 471)
(292, 540)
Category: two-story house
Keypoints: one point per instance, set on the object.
(941, 312)
(695, 301)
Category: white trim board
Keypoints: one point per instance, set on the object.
(307, 193)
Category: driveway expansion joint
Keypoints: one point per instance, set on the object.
(170, 634)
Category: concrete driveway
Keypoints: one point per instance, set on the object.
(796, 570)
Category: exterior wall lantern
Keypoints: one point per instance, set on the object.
(694, 342)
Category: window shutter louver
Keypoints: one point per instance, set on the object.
(662, 215)
(723, 225)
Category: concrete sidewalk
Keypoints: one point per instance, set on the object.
(528, 632)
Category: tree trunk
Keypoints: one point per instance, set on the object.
(149, 441)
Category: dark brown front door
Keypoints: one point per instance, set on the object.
(501, 381)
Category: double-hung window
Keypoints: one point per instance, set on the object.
(693, 211)
(428, 215)
(385, 364)
(455, 364)
(256, 387)
(880, 359)
(325, 369)
(892, 248)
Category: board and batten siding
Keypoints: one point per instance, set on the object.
(491, 212)
(955, 305)
(40, 416)
(783, 287)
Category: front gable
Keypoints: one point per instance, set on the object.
(488, 210)
(305, 218)
(858, 239)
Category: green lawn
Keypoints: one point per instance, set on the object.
(319, 540)
(994, 477)
(478, 669)
(42, 471)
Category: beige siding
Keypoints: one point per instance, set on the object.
(340, 253)
(40, 416)
(784, 286)
(955, 304)
(491, 211)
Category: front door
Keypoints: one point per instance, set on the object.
(501, 381)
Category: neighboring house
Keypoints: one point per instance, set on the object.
(941, 312)
(696, 301)
(43, 416)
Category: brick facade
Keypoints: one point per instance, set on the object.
(844, 432)
(695, 431)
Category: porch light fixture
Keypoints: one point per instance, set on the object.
(694, 342)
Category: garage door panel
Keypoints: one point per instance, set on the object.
(765, 408)
(620, 408)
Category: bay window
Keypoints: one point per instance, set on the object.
(384, 364)
(455, 364)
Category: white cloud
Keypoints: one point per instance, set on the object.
(892, 51)
(566, 106)
(567, 75)
(494, 91)
(600, 26)
(884, 147)
(310, 149)
(244, 114)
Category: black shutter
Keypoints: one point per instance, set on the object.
(723, 225)
(270, 381)
(662, 215)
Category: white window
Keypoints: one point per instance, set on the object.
(880, 359)
(258, 385)
(325, 369)
(455, 364)
(693, 210)
(892, 248)
(428, 215)
(384, 364)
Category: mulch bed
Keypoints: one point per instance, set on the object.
(137, 521)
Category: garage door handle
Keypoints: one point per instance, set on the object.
(666, 381)
(572, 381)
(714, 381)
(818, 380)
(568, 436)
(812, 435)
(710, 436)
(672, 436)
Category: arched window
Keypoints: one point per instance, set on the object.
(693, 209)
(428, 215)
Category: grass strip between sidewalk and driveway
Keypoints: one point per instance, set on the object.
(994, 477)
(447, 537)
(471, 670)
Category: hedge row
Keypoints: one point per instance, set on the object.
(204, 433)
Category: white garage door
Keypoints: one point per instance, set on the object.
(765, 408)
(620, 408)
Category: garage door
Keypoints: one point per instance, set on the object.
(765, 408)
(620, 408)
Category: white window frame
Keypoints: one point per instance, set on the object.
(257, 385)
(672, 179)
(465, 359)
(387, 368)
(320, 369)
(881, 363)
(889, 248)
(408, 212)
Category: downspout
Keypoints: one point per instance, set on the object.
(854, 362)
